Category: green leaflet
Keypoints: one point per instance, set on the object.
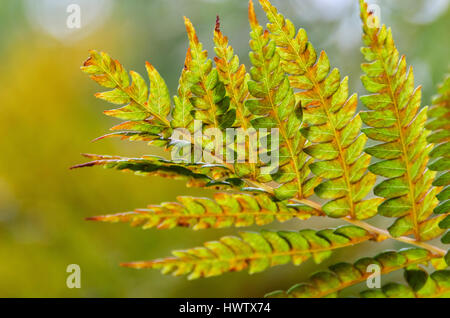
(141, 103)
(436, 285)
(225, 210)
(256, 251)
(439, 123)
(397, 123)
(416, 278)
(342, 275)
(445, 224)
(159, 98)
(333, 127)
(274, 106)
(198, 175)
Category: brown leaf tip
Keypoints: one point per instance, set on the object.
(217, 29)
(88, 62)
(93, 218)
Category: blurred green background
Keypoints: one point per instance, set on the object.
(48, 116)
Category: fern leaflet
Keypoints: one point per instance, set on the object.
(225, 210)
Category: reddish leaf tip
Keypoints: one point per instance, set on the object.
(92, 218)
(82, 165)
(217, 29)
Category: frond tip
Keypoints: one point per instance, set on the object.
(256, 251)
(141, 102)
(208, 94)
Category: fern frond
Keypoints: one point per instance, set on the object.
(294, 91)
(343, 275)
(395, 120)
(197, 174)
(225, 210)
(275, 107)
(256, 251)
(440, 127)
(142, 105)
(437, 285)
(209, 99)
(332, 125)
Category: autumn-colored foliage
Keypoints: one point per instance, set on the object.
(323, 149)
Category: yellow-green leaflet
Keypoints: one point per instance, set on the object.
(256, 251)
(225, 210)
